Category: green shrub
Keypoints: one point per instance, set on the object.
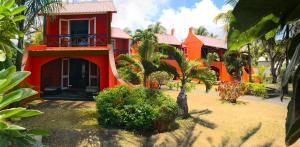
(177, 84)
(161, 77)
(135, 108)
(257, 89)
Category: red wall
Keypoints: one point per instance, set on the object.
(102, 25)
(122, 45)
(34, 65)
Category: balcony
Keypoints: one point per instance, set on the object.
(76, 40)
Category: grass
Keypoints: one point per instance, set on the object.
(213, 123)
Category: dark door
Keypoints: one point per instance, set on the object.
(79, 30)
(78, 73)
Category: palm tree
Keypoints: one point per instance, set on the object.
(157, 28)
(34, 8)
(147, 60)
(201, 30)
(224, 18)
(128, 31)
(189, 69)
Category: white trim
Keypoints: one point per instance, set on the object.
(60, 20)
(67, 76)
(93, 76)
(129, 43)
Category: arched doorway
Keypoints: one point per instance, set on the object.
(69, 78)
(217, 71)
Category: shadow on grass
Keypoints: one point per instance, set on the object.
(50, 104)
(187, 135)
(195, 115)
(226, 141)
(238, 102)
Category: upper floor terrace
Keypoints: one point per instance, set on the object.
(79, 25)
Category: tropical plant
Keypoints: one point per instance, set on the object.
(225, 18)
(10, 134)
(157, 28)
(201, 30)
(147, 60)
(231, 91)
(10, 16)
(263, 19)
(262, 74)
(128, 31)
(234, 63)
(189, 70)
(211, 57)
(161, 78)
(136, 108)
(257, 89)
(34, 8)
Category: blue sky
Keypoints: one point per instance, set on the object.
(191, 3)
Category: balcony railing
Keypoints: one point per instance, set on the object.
(120, 51)
(75, 40)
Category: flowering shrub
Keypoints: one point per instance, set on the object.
(231, 91)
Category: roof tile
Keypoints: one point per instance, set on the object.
(213, 42)
(167, 39)
(86, 8)
(118, 33)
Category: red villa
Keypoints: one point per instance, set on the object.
(197, 47)
(76, 58)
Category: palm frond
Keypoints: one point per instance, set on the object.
(129, 59)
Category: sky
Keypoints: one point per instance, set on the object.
(177, 14)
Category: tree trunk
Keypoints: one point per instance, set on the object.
(19, 56)
(249, 63)
(145, 80)
(273, 72)
(182, 102)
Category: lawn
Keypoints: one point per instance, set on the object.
(251, 122)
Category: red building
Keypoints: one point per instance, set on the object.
(76, 58)
(197, 47)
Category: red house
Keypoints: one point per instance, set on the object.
(77, 58)
(197, 47)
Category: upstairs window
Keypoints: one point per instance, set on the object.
(113, 44)
(204, 52)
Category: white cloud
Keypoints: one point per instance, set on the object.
(202, 13)
(140, 13)
(137, 13)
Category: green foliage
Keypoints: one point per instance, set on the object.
(262, 74)
(9, 17)
(129, 75)
(10, 134)
(161, 78)
(263, 17)
(147, 61)
(157, 28)
(135, 108)
(207, 76)
(234, 63)
(231, 91)
(211, 57)
(201, 30)
(257, 89)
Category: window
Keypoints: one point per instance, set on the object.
(113, 44)
(204, 52)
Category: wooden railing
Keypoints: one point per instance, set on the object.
(71, 40)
